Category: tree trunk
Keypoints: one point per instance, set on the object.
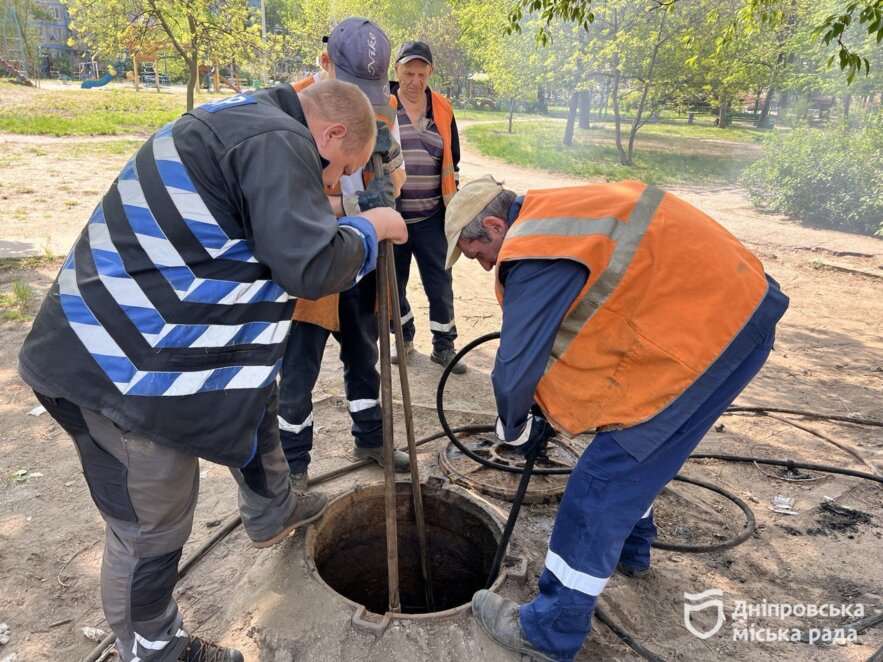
(602, 109)
(617, 120)
(723, 112)
(651, 70)
(571, 120)
(847, 101)
(585, 103)
(193, 80)
(542, 107)
(763, 122)
(135, 75)
(156, 74)
(511, 111)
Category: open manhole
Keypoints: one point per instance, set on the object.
(347, 550)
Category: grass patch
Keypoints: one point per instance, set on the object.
(15, 304)
(665, 153)
(44, 261)
(78, 112)
(485, 115)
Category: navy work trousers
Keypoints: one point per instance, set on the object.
(300, 370)
(605, 516)
(427, 244)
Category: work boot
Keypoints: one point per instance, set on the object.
(400, 459)
(300, 481)
(200, 650)
(444, 356)
(308, 506)
(630, 572)
(393, 351)
(498, 618)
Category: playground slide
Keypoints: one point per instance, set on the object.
(101, 82)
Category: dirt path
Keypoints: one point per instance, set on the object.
(829, 357)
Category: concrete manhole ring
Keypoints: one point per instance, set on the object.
(500, 484)
(346, 552)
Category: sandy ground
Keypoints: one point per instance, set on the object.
(829, 358)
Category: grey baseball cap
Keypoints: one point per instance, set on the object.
(360, 51)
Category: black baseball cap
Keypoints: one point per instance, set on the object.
(414, 50)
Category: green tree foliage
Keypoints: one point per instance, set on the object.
(766, 14)
(20, 39)
(512, 61)
(198, 31)
(828, 178)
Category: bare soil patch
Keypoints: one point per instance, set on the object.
(828, 358)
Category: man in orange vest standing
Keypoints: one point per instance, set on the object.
(628, 312)
(357, 52)
(431, 146)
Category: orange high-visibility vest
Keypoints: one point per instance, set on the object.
(668, 291)
(443, 115)
(324, 312)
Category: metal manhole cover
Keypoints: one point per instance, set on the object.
(502, 484)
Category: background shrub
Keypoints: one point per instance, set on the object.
(824, 177)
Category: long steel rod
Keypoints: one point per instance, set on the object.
(416, 488)
(392, 546)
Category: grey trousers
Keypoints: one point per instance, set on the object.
(146, 493)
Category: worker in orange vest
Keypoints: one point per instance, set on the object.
(357, 52)
(431, 145)
(626, 312)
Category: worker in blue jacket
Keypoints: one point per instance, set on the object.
(160, 340)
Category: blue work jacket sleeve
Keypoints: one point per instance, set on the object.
(536, 297)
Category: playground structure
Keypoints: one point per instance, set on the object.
(109, 75)
(20, 76)
(12, 50)
(214, 79)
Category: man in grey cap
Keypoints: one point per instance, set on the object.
(358, 52)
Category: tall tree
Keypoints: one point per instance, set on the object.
(831, 29)
(189, 28)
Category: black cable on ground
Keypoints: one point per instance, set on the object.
(528, 469)
(99, 651)
(513, 516)
(625, 635)
(745, 534)
(787, 463)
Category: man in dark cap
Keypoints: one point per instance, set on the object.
(431, 146)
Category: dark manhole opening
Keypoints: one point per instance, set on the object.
(348, 548)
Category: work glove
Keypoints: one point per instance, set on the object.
(536, 433)
(378, 194)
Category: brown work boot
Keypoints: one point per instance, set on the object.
(308, 506)
(200, 650)
(300, 482)
(401, 461)
(444, 356)
(394, 355)
(498, 618)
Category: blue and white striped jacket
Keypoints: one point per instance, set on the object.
(170, 314)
